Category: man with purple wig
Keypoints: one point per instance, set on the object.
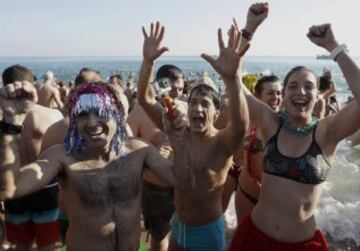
(99, 167)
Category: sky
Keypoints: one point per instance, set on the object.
(44, 28)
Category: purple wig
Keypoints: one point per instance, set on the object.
(104, 103)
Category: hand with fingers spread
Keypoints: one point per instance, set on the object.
(152, 43)
(257, 13)
(322, 35)
(16, 99)
(228, 62)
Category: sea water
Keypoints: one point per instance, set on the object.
(338, 214)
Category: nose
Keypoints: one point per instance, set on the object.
(302, 90)
(92, 119)
(197, 107)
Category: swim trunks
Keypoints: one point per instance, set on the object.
(210, 237)
(157, 209)
(34, 216)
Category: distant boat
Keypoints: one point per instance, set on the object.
(323, 57)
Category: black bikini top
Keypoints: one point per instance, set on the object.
(311, 168)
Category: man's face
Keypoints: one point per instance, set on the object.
(177, 88)
(95, 117)
(97, 131)
(202, 112)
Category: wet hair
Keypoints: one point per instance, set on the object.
(325, 82)
(169, 71)
(296, 69)
(87, 75)
(205, 90)
(118, 79)
(17, 73)
(260, 83)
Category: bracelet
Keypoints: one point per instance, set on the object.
(7, 128)
(338, 49)
(246, 34)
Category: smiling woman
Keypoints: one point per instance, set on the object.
(297, 157)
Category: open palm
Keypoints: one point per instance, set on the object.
(152, 43)
(228, 62)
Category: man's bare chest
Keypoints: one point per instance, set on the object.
(115, 183)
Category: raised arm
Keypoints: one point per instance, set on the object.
(151, 51)
(227, 65)
(260, 114)
(15, 181)
(336, 129)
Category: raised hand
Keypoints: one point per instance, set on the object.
(322, 35)
(228, 62)
(257, 13)
(16, 99)
(152, 43)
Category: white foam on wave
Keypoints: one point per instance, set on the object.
(338, 213)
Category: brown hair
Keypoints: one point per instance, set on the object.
(17, 73)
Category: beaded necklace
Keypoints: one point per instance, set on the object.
(299, 131)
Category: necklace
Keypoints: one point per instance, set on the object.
(299, 131)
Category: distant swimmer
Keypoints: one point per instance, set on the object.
(49, 94)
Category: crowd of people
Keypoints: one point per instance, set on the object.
(84, 165)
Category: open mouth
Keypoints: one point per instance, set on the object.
(95, 133)
(198, 120)
(274, 105)
(300, 104)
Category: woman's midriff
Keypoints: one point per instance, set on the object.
(286, 208)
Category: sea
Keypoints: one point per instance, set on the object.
(338, 213)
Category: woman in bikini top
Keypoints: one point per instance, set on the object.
(298, 153)
(268, 90)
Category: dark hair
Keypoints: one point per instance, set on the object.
(264, 79)
(296, 69)
(118, 79)
(325, 82)
(205, 90)
(118, 76)
(17, 73)
(169, 71)
(87, 75)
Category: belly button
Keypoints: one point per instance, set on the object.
(277, 227)
(108, 229)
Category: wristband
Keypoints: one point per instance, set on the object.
(246, 34)
(338, 49)
(7, 128)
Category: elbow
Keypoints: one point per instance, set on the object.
(7, 194)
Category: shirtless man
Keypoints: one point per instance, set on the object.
(199, 222)
(49, 94)
(33, 216)
(56, 134)
(99, 167)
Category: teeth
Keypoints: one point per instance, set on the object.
(300, 102)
